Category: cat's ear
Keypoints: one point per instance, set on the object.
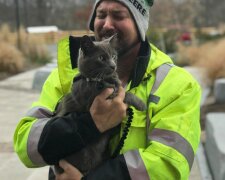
(113, 40)
(86, 44)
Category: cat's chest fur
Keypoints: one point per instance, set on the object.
(89, 88)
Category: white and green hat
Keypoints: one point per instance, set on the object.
(138, 8)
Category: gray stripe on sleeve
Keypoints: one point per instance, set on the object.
(39, 112)
(174, 140)
(33, 139)
(136, 165)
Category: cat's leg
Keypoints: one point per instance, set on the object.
(133, 100)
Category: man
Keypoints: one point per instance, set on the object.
(161, 142)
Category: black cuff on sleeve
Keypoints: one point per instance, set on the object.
(87, 128)
(113, 169)
(62, 136)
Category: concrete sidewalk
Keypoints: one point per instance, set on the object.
(16, 96)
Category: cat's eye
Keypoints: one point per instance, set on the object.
(101, 58)
(114, 57)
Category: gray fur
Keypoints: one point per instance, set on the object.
(97, 65)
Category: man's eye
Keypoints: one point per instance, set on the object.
(100, 15)
(118, 17)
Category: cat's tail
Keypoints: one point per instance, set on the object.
(133, 100)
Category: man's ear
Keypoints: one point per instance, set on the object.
(86, 45)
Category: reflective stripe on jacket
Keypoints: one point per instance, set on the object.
(174, 133)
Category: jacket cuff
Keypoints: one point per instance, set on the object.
(87, 128)
(65, 135)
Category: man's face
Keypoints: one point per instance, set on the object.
(112, 17)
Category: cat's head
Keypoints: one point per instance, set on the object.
(97, 59)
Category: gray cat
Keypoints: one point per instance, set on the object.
(97, 63)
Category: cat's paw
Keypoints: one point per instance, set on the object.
(141, 106)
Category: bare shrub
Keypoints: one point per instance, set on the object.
(11, 59)
(36, 53)
(210, 56)
(31, 48)
(214, 59)
(5, 34)
(187, 54)
(34, 49)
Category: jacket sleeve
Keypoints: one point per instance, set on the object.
(173, 136)
(61, 136)
(39, 139)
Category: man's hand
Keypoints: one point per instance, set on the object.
(70, 172)
(108, 113)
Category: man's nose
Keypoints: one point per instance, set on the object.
(109, 23)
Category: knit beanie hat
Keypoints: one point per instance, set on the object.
(138, 8)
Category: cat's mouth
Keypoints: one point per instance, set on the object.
(105, 73)
(110, 72)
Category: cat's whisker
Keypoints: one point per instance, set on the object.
(95, 73)
(101, 75)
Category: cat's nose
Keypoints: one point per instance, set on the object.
(113, 67)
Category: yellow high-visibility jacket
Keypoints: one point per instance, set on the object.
(163, 150)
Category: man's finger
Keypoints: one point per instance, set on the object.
(121, 93)
(65, 165)
(106, 93)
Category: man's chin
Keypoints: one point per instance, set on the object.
(124, 49)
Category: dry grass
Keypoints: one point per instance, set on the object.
(34, 49)
(210, 56)
(32, 52)
(11, 59)
(5, 33)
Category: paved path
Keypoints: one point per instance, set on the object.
(16, 97)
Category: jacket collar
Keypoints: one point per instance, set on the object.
(141, 64)
(139, 68)
(74, 45)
